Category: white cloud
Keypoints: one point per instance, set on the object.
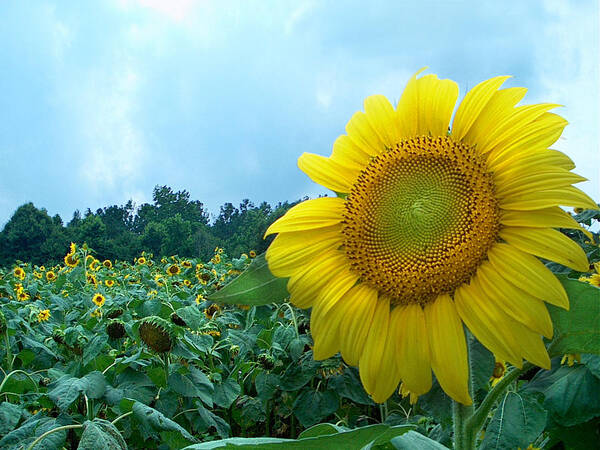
(112, 157)
(567, 68)
(297, 15)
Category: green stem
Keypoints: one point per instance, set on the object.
(54, 430)
(122, 416)
(474, 423)
(9, 361)
(461, 413)
(166, 365)
(18, 371)
(293, 318)
(268, 419)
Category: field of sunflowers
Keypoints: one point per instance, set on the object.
(176, 353)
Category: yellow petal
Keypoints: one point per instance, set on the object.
(363, 135)
(547, 243)
(412, 347)
(566, 196)
(382, 117)
(316, 213)
(325, 332)
(355, 326)
(532, 345)
(331, 293)
(348, 154)
(539, 134)
(528, 273)
(487, 323)
(448, 348)
(500, 107)
(327, 172)
(472, 105)
(290, 252)
(426, 106)
(521, 306)
(304, 286)
(389, 376)
(544, 178)
(532, 158)
(370, 360)
(542, 218)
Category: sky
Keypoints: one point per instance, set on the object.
(103, 100)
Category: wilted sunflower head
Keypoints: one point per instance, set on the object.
(157, 334)
(115, 329)
(435, 224)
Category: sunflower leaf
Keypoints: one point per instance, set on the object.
(255, 286)
(578, 329)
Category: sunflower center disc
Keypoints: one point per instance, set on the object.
(420, 219)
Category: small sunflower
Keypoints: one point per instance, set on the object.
(186, 264)
(107, 263)
(434, 225)
(594, 278)
(173, 270)
(43, 315)
(71, 260)
(98, 299)
(212, 310)
(187, 283)
(72, 248)
(109, 283)
(199, 299)
(216, 259)
(498, 373)
(50, 276)
(159, 280)
(91, 279)
(22, 296)
(19, 273)
(97, 313)
(252, 254)
(141, 260)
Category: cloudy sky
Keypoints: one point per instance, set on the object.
(101, 101)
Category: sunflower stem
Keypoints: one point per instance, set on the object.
(463, 440)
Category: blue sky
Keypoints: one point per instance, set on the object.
(101, 101)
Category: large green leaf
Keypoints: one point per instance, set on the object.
(226, 392)
(352, 439)
(311, 406)
(413, 440)
(151, 419)
(101, 434)
(517, 422)
(255, 286)
(578, 329)
(10, 415)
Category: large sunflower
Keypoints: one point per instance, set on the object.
(433, 228)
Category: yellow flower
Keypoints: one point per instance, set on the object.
(50, 276)
(19, 273)
(71, 260)
(212, 310)
(98, 299)
(91, 279)
(22, 296)
(107, 263)
(173, 270)
(498, 373)
(252, 254)
(216, 259)
(97, 312)
(42, 268)
(188, 283)
(159, 280)
(95, 264)
(199, 299)
(199, 266)
(72, 248)
(593, 279)
(186, 264)
(432, 228)
(141, 260)
(571, 358)
(109, 283)
(37, 275)
(43, 315)
(152, 293)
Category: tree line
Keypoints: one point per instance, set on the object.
(172, 224)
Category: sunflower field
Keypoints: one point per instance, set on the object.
(181, 353)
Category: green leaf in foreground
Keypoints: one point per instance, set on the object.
(101, 434)
(352, 439)
(518, 421)
(578, 329)
(151, 419)
(255, 286)
(413, 440)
